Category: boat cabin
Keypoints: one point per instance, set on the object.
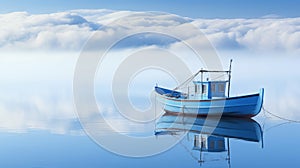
(209, 143)
(210, 89)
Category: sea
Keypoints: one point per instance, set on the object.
(51, 115)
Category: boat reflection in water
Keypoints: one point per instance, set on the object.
(210, 135)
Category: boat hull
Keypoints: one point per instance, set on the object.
(239, 106)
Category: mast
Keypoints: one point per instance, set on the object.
(201, 83)
(228, 153)
(229, 78)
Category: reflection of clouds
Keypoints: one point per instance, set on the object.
(120, 124)
(36, 94)
(30, 111)
(52, 110)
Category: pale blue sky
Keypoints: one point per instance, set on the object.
(190, 8)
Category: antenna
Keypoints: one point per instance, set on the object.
(229, 78)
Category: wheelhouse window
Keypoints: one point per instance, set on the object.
(221, 87)
(213, 88)
(203, 89)
(197, 88)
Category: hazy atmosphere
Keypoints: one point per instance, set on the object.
(43, 43)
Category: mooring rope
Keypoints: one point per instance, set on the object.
(188, 80)
(185, 148)
(277, 116)
(277, 125)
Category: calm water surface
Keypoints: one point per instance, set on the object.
(266, 143)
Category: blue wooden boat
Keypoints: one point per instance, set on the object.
(209, 98)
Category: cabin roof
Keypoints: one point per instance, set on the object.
(196, 82)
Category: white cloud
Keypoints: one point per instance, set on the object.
(64, 30)
(70, 30)
(261, 34)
